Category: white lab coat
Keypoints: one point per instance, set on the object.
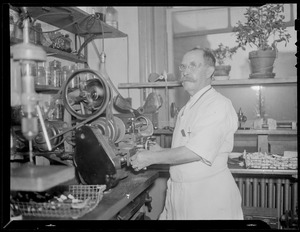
(197, 190)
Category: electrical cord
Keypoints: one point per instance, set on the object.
(101, 23)
(60, 143)
(128, 92)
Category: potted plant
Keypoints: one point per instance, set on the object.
(221, 54)
(264, 28)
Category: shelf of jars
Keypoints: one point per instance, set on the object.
(233, 82)
(74, 20)
(55, 52)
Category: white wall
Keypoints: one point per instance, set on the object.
(117, 51)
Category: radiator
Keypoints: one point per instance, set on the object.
(280, 193)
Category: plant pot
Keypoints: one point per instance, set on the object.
(222, 70)
(261, 63)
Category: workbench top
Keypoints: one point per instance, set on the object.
(121, 195)
(116, 198)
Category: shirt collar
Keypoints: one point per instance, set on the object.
(196, 96)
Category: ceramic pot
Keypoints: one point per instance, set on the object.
(261, 63)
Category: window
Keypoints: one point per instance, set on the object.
(210, 26)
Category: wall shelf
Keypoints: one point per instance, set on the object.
(64, 18)
(55, 52)
(267, 132)
(242, 132)
(233, 82)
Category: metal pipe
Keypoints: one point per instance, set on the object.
(247, 190)
(262, 193)
(255, 185)
(270, 193)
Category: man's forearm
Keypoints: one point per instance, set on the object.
(177, 155)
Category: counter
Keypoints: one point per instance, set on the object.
(164, 168)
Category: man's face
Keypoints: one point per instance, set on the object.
(193, 71)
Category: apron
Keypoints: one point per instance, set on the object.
(204, 190)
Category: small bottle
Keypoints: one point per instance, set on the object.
(38, 34)
(75, 80)
(48, 76)
(66, 72)
(32, 33)
(58, 113)
(111, 17)
(55, 72)
(41, 75)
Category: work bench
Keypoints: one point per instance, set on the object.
(122, 202)
(127, 196)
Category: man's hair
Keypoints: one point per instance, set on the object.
(209, 58)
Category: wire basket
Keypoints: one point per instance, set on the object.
(84, 199)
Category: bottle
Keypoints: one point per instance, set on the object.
(66, 72)
(58, 112)
(38, 34)
(41, 75)
(75, 80)
(111, 17)
(32, 33)
(55, 72)
(48, 76)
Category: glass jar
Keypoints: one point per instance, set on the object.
(31, 34)
(58, 112)
(66, 72)
(56, 73)
(41, 74)
(75, 80)
(48, 76)
(38, 34)
(111, 17)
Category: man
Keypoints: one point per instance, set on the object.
(200, 186)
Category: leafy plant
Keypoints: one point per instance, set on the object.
(224, 52)
(261, 23)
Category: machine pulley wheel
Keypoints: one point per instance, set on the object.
(86, 93)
